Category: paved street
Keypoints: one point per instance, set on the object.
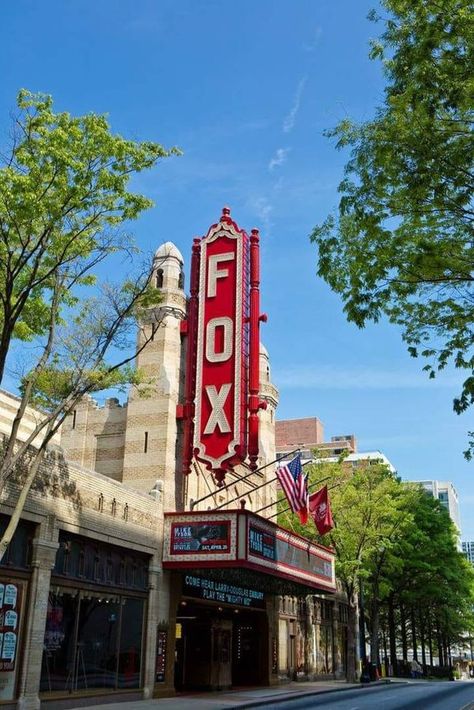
(409, 696)
(332, 695)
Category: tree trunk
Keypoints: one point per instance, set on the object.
(374, 626)
(392, 634)
(413, 634)
(20, 504)
(422, 638)
(403, 631)
(430, 640)
(351, 639)
(440, 649)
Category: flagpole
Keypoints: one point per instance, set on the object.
(285, 510)
(309, 488)
(262, 485)
(239, 480)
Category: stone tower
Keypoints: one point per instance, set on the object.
(150, 452)
(139, 443)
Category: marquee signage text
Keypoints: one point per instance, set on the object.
(240, 539)
(212, 590)
(262, 543)
(200, 537)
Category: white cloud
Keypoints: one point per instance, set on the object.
(289, 121)
(334, 378)
(279, 158)
(263, 209)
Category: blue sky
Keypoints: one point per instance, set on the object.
(246, 89)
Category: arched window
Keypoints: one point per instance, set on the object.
(159, 278)
(181, 279)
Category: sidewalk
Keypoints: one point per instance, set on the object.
(246, 697)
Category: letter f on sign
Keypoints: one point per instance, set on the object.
(217, 416)
(216, 273)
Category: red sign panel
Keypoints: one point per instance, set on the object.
(222, 348)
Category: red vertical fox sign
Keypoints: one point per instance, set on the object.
(222, 353)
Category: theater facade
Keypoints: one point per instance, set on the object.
(148, 560)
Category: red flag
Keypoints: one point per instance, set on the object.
(304, 499)
(321, 511)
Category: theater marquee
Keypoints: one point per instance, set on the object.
(244, 540)
(221, 404)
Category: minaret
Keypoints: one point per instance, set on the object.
(151, 431)
(268, 394)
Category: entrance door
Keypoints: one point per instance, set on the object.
(221, 672)
(193, 656)
(250, 652)
(220, 647)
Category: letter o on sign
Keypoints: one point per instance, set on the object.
(226, 353)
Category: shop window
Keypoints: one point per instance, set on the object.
(100, 563)
(129, 665)
(92, 641)
(66, 553)
(110, 570)
(58, 667)
(326, 657)
(302, 608)
(343, 613)
(96, 566)
(326, 611)
(19, 552)
(122, 579)
(82, 563)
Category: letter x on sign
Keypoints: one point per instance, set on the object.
(217, 416)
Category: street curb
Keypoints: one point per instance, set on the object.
(296, 695)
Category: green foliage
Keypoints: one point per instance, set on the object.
(64, 201)
(396, 542)
(431, 575)
(370, 509)
(63, 196)
(402, 241)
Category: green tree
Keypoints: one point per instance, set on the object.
(64, 202)
(370, 513)
(430, 588)
(401, 242)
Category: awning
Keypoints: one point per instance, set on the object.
(233, 545)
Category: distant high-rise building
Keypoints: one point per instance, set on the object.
(467, 548)
(447, 495)
(307, 435)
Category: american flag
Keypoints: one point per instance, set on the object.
(295, 486)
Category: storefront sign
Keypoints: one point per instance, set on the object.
(215, 591)
(200, 536)
(161, 644)
(11, 597)
(262, 543)
(246, 540)
(220, 432)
